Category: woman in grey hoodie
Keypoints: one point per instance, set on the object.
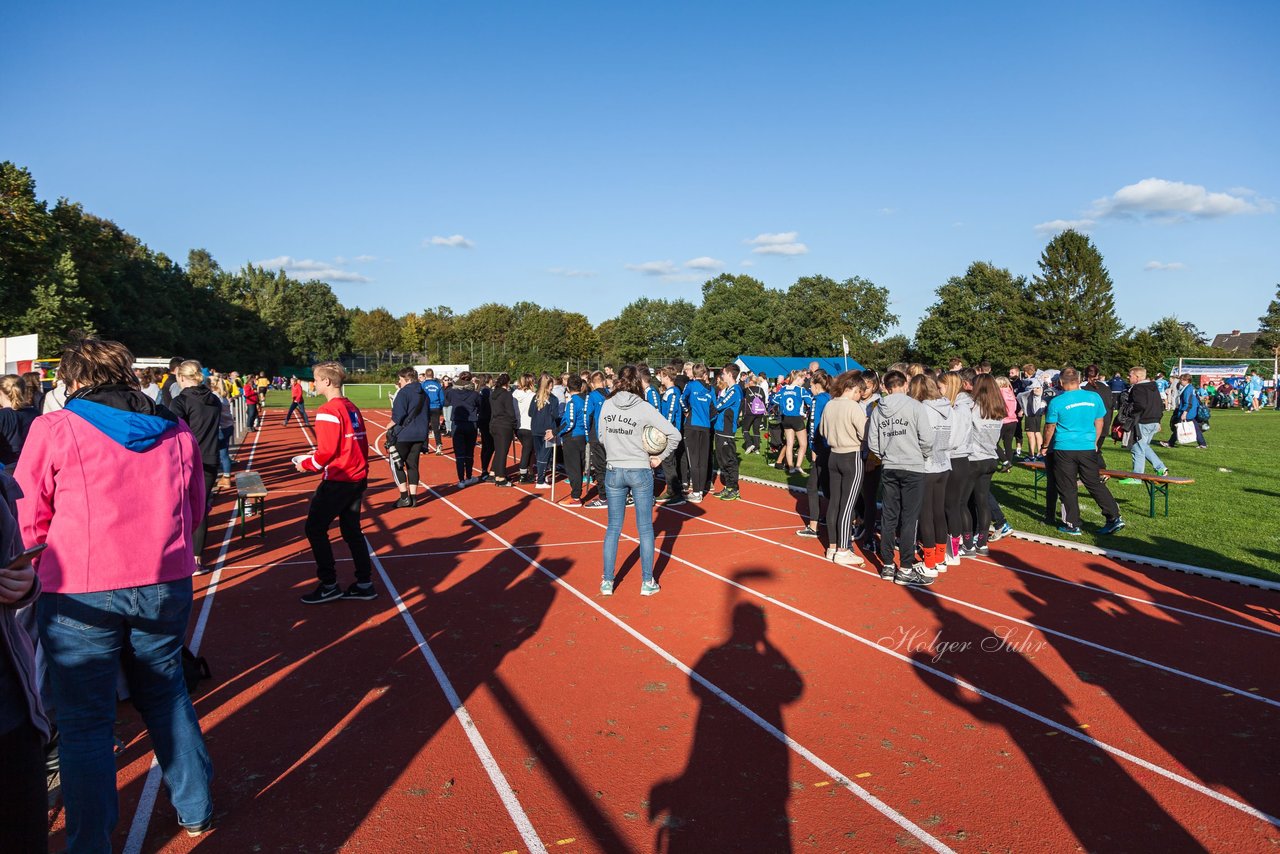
(937, 471)
(629, 471)
(960, 484)
(989, 411)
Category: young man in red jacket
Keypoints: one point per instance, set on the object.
(298, 405)
(341, 455)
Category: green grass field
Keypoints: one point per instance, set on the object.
(1228, 520)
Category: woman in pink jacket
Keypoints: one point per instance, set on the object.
(113, 484)
(1004, 450)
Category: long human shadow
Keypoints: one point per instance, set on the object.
(1105, 808)
(1223, 741)
(728, 798)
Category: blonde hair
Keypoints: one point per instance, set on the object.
(331, 371)
(951, 385)
(544, 389)
(15, 388)
(190, 370)
(1003, 382)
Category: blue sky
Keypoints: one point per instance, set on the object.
(584, 154)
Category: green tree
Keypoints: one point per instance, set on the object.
(980, 315)
(738, 315)
(491, 323)
(413, 334)
(1269, 326)
(653, 328)
(1073, 313)
(317, 324)
(374, 331)
(1159, 345)
(818, 311)
(57, 309)
(881, 354)
(28, 242)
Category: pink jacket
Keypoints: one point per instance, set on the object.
(112, 517)
(1010, 405)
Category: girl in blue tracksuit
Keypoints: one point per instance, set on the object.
(791, 401)
(670, 407)
(728, 408)
(698, 401)
(573, 436)
(819, 382)
(596, 397)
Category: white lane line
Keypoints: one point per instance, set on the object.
(995, 698)
(491, 767)
(151, 788)
(842, 779)
(869, 573)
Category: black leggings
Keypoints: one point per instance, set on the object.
(486, 449)
(982, 471)
(409, 453)
(751, 425)
(435, 418)
(933, 511)
(820, 478)
(699, 445)
(597, 461)
(574, 450)
(727, 457)
(464, 447)
(502, 437)
(844, 472)
(202, 530)
(526, 449)
(959, 488)
(1004, 447)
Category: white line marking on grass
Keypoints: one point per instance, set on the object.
(995, 698)
(491, 767)
(844, 780)
(151, 788)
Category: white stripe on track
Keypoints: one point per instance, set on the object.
(995, 698)
(842, 779)
(151, 788)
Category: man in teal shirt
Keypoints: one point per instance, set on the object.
(1073, 424)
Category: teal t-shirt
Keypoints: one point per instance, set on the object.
(1074, 412)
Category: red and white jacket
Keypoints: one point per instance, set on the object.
(342, 448)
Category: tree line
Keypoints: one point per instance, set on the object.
(63, 270)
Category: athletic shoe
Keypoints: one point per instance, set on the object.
(694, 498)
(472, 481)
(321, 594)
(1111, 527)
(1202, 447)
(571, 502)
(927, 572)
(968, 550)
(727, 494)
(462, 484)
(542, 484)
(439, 452)
(606, 587)
(631, 502)
(648, 588)
(484, 478)
(666, 496)
(597, 504)
(831, 552)
(1070, 530)
(858, 532)
(911, 576)
(1159, 473)
(199, 829)
(982, 551)
(1003, 532)
(1129, 481)
(365, 592)
(847, 557)
(807, 532)
(888, 571)
(750, 449)
(404, 501)
(503, 484)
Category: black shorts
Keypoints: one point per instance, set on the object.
(1031, 423)
(793, 422)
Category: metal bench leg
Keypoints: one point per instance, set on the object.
(1164, 487)
(240, 515)
(1035, 485)
(262, 518)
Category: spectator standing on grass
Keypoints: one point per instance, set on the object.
(1033, 406)
(112, 485)
(408, 433)
(1009, 425)
(1187, 408)
(989, 412)
(200, 410)
(1075, 421)
(901, 436)
(16, 417)
(1147, 410)
(1093, 382)
(1253, 392)
(341, 457)
(629, 471)
(297, 405)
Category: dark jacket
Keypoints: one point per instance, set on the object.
(546, 418)
(465, 401)
(201, 409)
(1146, 403)
(502, 411)
(409, 412)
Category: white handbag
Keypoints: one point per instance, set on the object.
(1186, 432)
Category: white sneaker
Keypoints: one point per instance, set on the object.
(847, 557)
(694, 498)
(831, 552)
(925, 571)
(952, 560)
(462, 484)
(542, 484)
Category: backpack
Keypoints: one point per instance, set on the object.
(755, 405)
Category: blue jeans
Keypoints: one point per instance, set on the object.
(1142, 450)
(225, 435)
(639, 483)
(86, 636)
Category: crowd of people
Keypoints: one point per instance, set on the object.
(99, 591)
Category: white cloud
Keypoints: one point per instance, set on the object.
(747, 263)
(308, 269)
(1173, 200)
(779, 243)
(364, 259)
(1054, 226)
(655, 268)
(1158, 266)
(888, 211)
(455, 241)
(704, 262)
(571, 273)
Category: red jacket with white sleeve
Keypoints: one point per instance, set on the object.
(342, 448)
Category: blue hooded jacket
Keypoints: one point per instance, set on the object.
(127, 417)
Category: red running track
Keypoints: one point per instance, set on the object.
(765, 700)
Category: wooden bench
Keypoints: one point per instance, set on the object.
(1154, 483)
(251, 497)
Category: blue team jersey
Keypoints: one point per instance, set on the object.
(671, 408)
(573, 418)
(697, 401)
(790, 401)
(434, 390)
(816, 438)
(1162, 384)
(652, 396)
(595, 401)
(1076, 413)
(728, 405)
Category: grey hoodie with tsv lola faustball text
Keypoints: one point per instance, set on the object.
(900, 433)
(623, 418)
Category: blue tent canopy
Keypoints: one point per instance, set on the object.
(775, 366)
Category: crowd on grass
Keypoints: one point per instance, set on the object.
(108, 476)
